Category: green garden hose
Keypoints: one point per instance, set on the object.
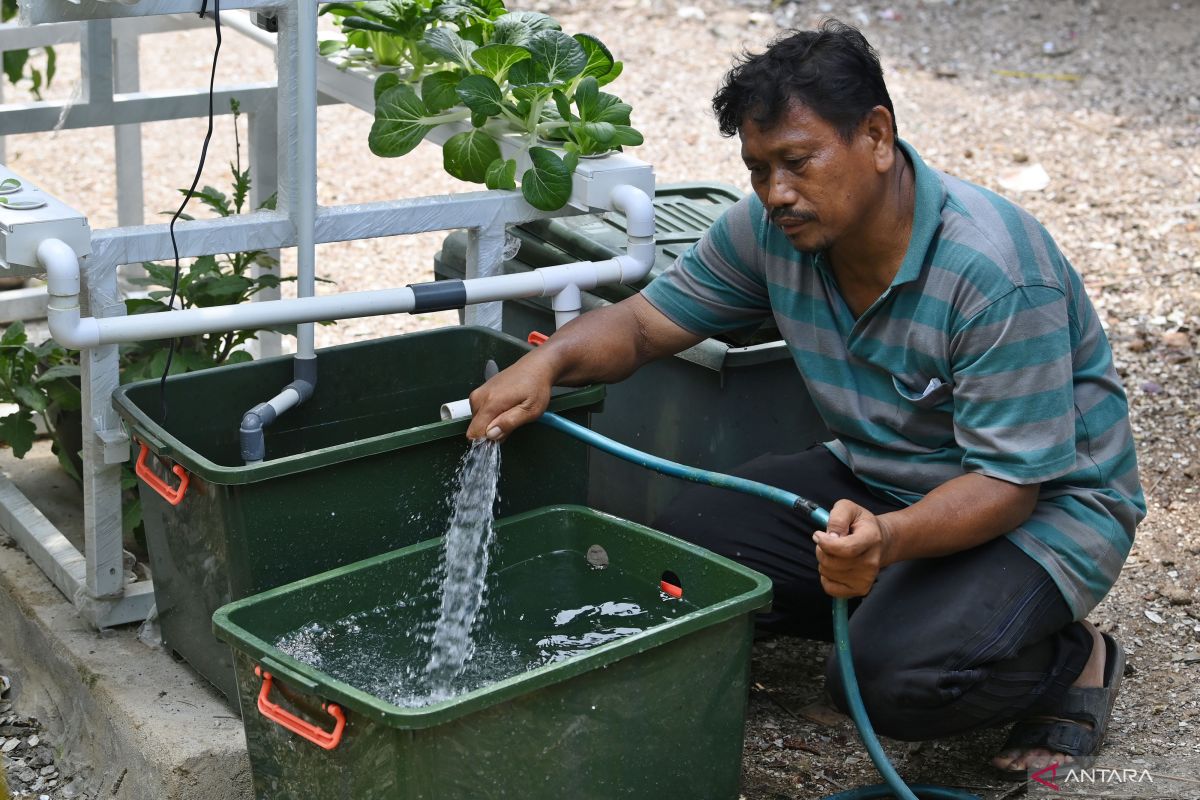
(894, 785)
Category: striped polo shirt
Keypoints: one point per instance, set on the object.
(984, 355)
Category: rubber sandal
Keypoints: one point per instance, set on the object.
(1069, 733)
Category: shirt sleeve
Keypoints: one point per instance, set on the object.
(717, 286)
(1014, 406)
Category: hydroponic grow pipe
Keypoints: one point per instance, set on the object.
(894, 785)
(70, 329)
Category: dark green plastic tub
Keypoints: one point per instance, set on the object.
(362, 468)
(656, 714)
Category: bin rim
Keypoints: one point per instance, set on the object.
(145, 430)
(299, 674)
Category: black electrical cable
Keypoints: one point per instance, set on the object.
(212, 81)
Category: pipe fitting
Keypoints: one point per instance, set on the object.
(250, 432)
(566, 304)
(638, 209)
(62, 305)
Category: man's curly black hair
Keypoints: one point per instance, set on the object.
(833, 71)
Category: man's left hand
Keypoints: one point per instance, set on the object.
(851, 551)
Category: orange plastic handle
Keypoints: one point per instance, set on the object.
(324, 739)
(536, 338)
(172, 496)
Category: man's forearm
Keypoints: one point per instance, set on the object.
(608, 344)
(959, 514)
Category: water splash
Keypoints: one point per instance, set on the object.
(464, 566)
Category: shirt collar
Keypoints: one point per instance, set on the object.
(930, 197)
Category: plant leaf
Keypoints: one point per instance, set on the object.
(384, 82)
(18, 430)
(29, 397)
(563, 106)
(510, 30)
(362, 24)
(219, 290)
(496, 59)
(602, 132)
(467, 155)
(437, 90)
(501, 174)
(51, 64)
(58, 371)
(609, 108)
(143, 305)
(480, 94)
(14, 64)
(449, 46)
(626, 136)
(535, 21)
(586, 95)
(527, 73)
(612, 75)
(399, 122)
(562, 56)
(14, 334)
(599, 58)
(65, 395)
(328, 47)
(547, 184)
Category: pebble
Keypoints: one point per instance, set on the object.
(10, 745)
(1178, 596)
(1176, 340)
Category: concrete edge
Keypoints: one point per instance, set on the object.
(143, 725)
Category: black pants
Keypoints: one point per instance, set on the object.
(940, 645)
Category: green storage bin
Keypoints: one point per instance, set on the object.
(656, 714)
(716, 405)
(363, 467)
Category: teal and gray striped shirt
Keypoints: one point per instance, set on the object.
(984, 355)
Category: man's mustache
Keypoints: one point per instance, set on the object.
(781, 214)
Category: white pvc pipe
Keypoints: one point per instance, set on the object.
(70, 329)
(286, 399)
(455, 410)
(304, 167)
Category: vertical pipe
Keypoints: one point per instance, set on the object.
(305, 173)
(264, 180)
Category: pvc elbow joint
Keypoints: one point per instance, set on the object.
(250, 432)
(638, 209)
(62, 287)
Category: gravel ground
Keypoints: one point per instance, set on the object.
(1101, 95)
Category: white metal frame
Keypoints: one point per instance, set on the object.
(97, 585)
(95, 580)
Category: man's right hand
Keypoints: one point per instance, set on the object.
(512, 398)
(602, 346)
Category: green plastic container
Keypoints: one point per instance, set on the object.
(715, 406)
(656, 714)
(363, 467)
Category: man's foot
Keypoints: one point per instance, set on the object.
(1022, 753)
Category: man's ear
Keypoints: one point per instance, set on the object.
(877, 131)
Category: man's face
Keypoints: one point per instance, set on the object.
(815, 185)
